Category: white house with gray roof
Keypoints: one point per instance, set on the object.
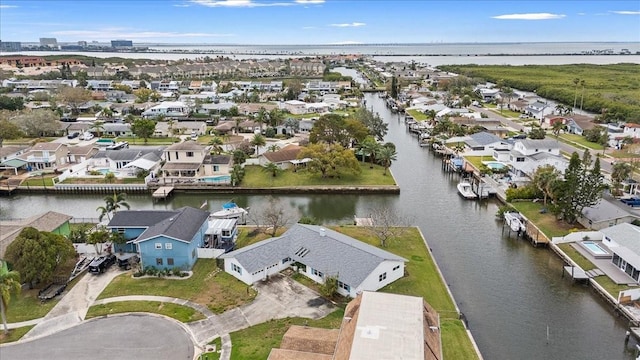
(484, 144)
(317, 253)
(624, 242)
(604, 214)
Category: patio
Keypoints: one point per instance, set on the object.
(605, 265)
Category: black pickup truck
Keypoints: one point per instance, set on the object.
(102, 263)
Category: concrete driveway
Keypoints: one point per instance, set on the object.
(110, 338)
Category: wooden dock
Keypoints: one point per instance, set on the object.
(162, 192)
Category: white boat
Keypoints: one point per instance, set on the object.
(464, 188)
(231, 210)
(515, 221)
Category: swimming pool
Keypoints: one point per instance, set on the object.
(495, 165)
(221, 179)
(595, 249)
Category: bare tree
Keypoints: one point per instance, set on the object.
(387, 224)
(272, 216)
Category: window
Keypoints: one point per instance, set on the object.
(382, 276)
(177, 156)
(189, 153)
(168, 246)
(159, 261)
(158, 246)
(216, 168)
(120, 231)
(236, 268)
(396, 267)
(344, 286)
(317, 273)
(286, 260)
(170, 261)
(168, 156)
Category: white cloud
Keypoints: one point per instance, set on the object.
(116, 33)
(238, 3)
(309, 2)
(353, 24)
(626, 12)
(8, 6)
(530, 16)
(181, 5)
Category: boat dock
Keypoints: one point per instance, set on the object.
(162, 192)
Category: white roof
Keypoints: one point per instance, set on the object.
(142, 163)
(387, 328)
(295, 102)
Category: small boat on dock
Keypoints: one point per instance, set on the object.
(231, 210)
(515, 221)
(465, 189)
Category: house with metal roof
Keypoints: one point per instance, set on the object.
(317, 253)
(163, 238)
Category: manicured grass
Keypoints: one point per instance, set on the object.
(27, 141)
(422, 279)
(477, 161)
(546, 222)
(27, 306)
(256, 177)
(208, 286)
(256, 342)
(622, 154)
(47, 180)
(179, 312)
(580, 140)
(582, 261)
(418, 115)
(14, 334)
(506, 113)
(612, 288)
(251, 235)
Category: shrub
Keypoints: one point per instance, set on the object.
(527, 192)
(176, 271)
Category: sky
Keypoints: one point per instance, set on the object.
(294, 22)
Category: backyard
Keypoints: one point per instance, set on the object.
(546, 222)
(256, 177)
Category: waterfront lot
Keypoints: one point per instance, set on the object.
(256, 177)
(545, 221)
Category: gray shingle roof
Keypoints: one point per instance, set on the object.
(180, 224)
(334, 253)
(603, 211)
(482, 139)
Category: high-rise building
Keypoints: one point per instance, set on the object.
(82, 44)
(121, 44)
(50, 42)
(10, 46)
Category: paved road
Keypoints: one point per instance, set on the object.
(110, 338)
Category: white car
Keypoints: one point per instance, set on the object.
(86, 136)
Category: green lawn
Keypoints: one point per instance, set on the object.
(27, 306)
(507, 113)
(256, 177)
(14, 334)
(418, 115)
(179, 312)
(208, 286)
(214, 355)
(256, 342)
(612, 288)
(546, 222)
(47, 180)
(422, 279)
(580, 140)
(251, 235)
(150, 141)
(582, 261)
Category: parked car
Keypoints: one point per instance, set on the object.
(101, 264)
(73, 135)
(127, 261)
(86, 136)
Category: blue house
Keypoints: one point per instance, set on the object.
(163, 238)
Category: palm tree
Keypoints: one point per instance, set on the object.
(273, 148)
(112, 204)
(369, 147)
(9, 283)
(576, 81)
(109, 178)
(257, 141)
(271, 168)
(557, 127)
(386, 155)
(262, 117)
(98, 126)
(620, 172)
(216, 145)
(237, 174)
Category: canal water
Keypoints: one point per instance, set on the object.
(516, 302)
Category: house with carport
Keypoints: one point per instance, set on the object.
(317, 253)
(163, 238)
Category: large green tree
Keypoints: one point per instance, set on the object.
(582, 187)
(620, 172)
(36, 255)
(377, 127)
(329, 160)
(545, 179)
(143, 128)
(9, 284)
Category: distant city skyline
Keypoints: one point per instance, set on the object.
(320, 22)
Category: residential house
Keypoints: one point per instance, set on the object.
(317, 253)
(539, 110)
(163, 238)
(46, 156)
(180, 127)
(184, 159)
(483, 144)
(305, 125)
(100, 85)
(149, 162)
(118, 159)
(372, 321)
(631, 130)
(8, 152)
(528, 154)
(50, 221)
(217, 165)
(489, 95)
(78, 154)
(117, 129)
(169, 109)
(221, 234)
(622, 240)
(604, 214)
(283, 158)
(295, 107)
